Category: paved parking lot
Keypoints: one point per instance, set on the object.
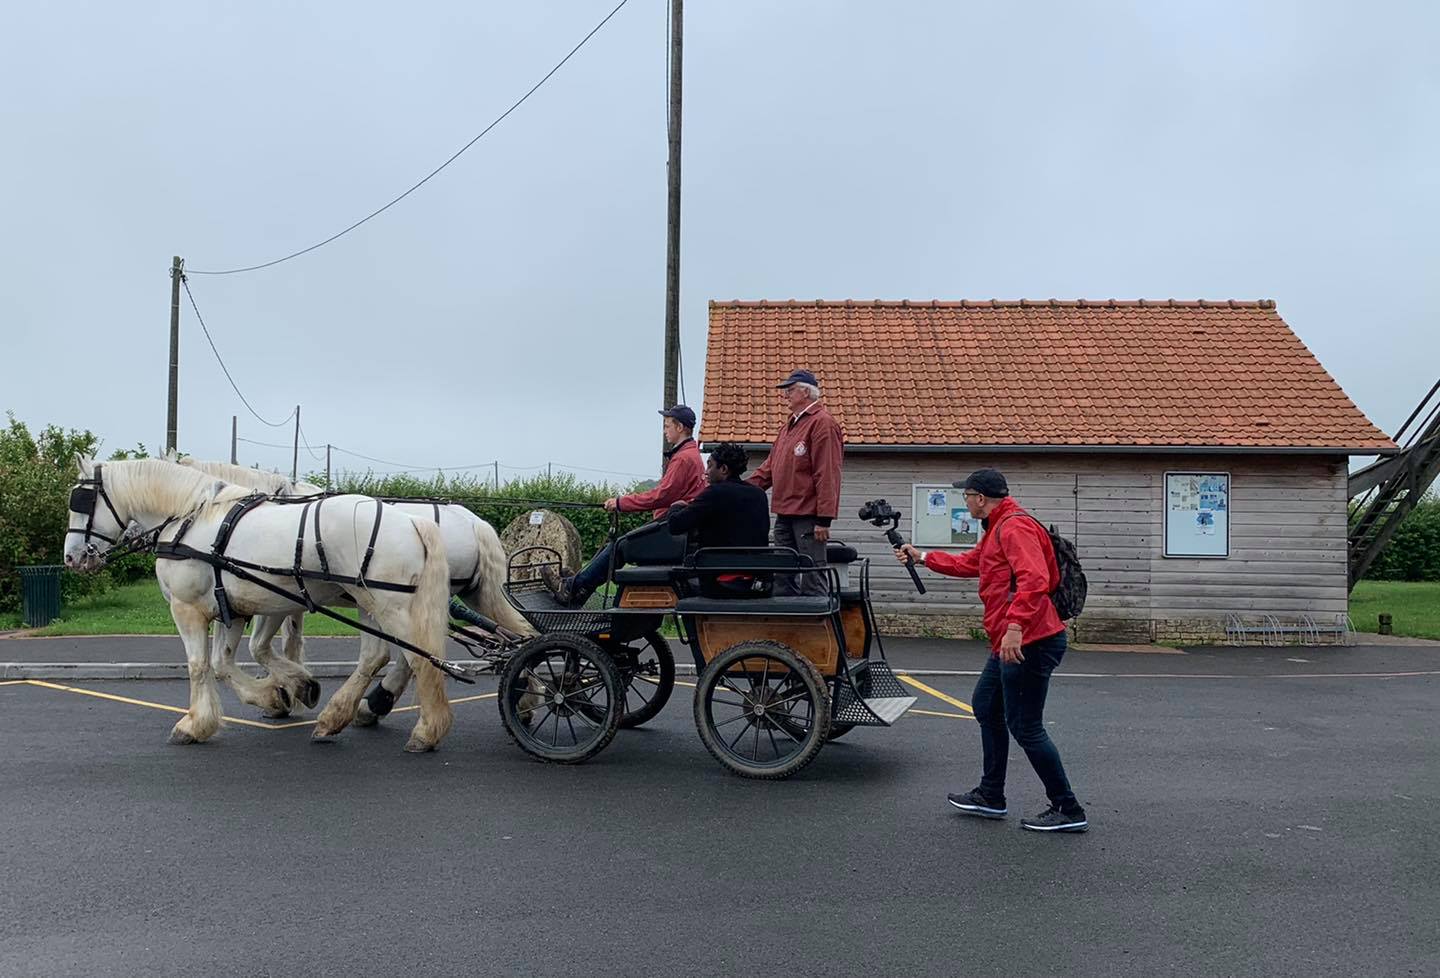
(1252, 815)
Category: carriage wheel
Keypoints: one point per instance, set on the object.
(561, 698)
(762, 710)
(837, 729)
(647, 673)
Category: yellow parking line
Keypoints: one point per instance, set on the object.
(256, 724)
(935, 713)
(454, 702)
(15, 682)
(943, 697)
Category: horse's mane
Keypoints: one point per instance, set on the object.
(156, 486)
(271, 482)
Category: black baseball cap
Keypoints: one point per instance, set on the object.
(682, 414)
(799, 377)
(987, 482)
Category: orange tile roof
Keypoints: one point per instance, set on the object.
(1160, 373)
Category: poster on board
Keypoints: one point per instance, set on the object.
(940, 519)
(1197, 514)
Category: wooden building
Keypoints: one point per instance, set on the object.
(1196, 452)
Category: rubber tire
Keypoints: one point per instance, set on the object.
(610, 676)
(799, 666)
(663, 688)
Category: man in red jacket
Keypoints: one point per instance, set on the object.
(803, 472)
(1016, 566)
(683, 480)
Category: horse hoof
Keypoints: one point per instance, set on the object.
(283, 695)
(417, 746)
(322, 737)
(180, 738)
(310, 693)
(364, 716)
(276, 714)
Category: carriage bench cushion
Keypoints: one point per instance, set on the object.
(643, 575)
(787, 605)
(840, 553)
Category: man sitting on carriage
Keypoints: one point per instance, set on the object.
(683, 480)
(730, 513)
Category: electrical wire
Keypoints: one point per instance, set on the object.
(432, 173)
(208, 339)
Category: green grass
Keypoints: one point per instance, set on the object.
(1414, 607)
(139, 609)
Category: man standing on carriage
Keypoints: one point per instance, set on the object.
(682, 481)
(803, 472)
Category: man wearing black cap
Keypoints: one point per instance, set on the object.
(803, 472)
(684, 479)
(1016, 564)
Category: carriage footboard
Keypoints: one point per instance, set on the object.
(871, 697)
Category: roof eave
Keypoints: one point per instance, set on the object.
(1344, 451)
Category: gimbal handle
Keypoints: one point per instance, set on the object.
(897, 541)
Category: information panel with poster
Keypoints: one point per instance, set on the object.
(1197, 514)
(941, 520)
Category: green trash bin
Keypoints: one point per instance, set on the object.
(40, 593)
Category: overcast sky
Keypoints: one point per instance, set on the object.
(512, 308)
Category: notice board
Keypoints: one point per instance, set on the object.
(1197, 514)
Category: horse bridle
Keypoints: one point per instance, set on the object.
(82, 500)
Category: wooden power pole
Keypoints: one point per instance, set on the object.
(295, 459)
(234, 437)
(172, 408)
(672, 236)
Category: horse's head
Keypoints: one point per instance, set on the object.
(95, 524)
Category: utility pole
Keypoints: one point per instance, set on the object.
(497, 475)
(234, 437)
(295, 459)
(672, 235)
(177, 274)
(327, 466)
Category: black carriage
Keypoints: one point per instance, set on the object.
(777, 675)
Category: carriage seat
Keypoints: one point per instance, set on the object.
(645, 575)
(653, 545)
(801, 605)
(840, 553)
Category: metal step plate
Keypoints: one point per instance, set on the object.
(890, 708)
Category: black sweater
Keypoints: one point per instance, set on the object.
(727, 514)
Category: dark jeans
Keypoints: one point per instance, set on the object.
(798, 533)
(594, 573)
(1009, 701)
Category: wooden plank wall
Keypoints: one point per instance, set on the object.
(1287, 536)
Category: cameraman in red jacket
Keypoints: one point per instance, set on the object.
(1015, 563)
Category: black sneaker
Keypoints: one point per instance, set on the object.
(1053, 819)
(977, 803)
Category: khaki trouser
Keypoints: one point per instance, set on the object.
(798, 533)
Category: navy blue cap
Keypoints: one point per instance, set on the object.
(682, 414)
(987, 482)
(799, 377)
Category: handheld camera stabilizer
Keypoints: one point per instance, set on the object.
(879, 513)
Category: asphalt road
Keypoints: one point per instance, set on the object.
(1241, 826)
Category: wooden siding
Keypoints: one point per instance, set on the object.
(1287, 536)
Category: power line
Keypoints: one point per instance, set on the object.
(432, 173)
(300, 428)
(272, 424)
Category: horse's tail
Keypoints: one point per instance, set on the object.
(430, 619)
(487, 587)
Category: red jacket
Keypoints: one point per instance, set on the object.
(1023, 551)
(684, 479)
(804, 467)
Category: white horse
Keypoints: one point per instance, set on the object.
(477, 573)
(407, 552)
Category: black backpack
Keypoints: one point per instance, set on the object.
(1069, 595)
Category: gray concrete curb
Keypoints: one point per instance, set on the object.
(78, 671)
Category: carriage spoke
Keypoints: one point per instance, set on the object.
(532, 675)
(734, 689)
(741, 734)
(773, 746)
(574, 738)
(755, 751)
(738, 716)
